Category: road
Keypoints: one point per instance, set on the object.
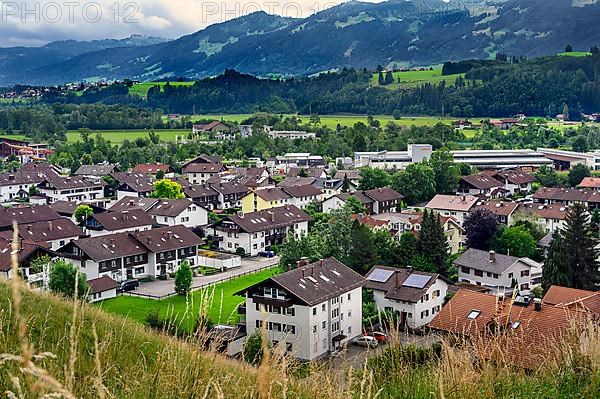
(165, 287)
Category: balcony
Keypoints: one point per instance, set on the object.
(269, 300)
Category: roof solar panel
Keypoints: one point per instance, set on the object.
(380, 275)
(416, 281)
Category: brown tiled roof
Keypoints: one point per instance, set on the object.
(170, 207)
(590, 182)
(67, 208)
(49, 230)
(557, 212)
(212, 125)
(65, 183)
(296, 181)
(138, 182)
(28, 249)
(317, 282)
(370, 221)
(113, 221)
(151, 168)
(203, 168)
(481, 181)
(352, 174)
(269, 219)
(199, 191)
(29, 214)
(29, 173)
(203, 158)
(167, 238)
(230, 188)
(573, 298)
(310, 172)
(102, 284)
(567, 194)
(303, 191)
(524, 336)
(393, 287)
(516, 176)
(500, 208)
(130, 203)
(110, 246)
(272, 194)
(384, 194)
(461, 203)
(481, 260)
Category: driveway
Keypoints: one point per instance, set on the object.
(159, 288)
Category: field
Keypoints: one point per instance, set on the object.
(118, 136)
(222, 303)
(14, 137)
(416, 78)
(575, 54)
(141, 89)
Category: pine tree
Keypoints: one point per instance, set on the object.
(362, 254)
(432, 243)
(581, 244)
(557, 266)
(381, 79)
(346, 184)
(389, 78)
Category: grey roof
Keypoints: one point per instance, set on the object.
(49, 230)
(170, 207)
(272, 194)
(199, 191)
(138, 182)
(480, 260)
(129, 203)
(303, 191)
(29, 214)
(269, 219)
(69, 207)
(110, 246)
(296, 181)
(545, 241)
(230, 188)
(65, 183)
(95, 170)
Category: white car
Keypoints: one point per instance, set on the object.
(365, 340)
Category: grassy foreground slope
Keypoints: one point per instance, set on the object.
(134, 362)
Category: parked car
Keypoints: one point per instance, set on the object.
(366, 341)
(266, 254)
(128, 285)
(381, 337)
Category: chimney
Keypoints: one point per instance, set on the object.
(492, 256)
(289, 267)
(112, 242)
(302, 273)
(11, 177)
(28, 227)
(537, 304)
(410, 269)
(50, 225)
(312, 270)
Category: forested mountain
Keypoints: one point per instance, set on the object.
(353, 34)
(540, 87)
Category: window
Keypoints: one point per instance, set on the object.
(524, 287)
(314, 311)
(479, 273)
(323, 307)
(465, 270)
(335, 313)
(349, 296)
(435, 294)
(290, 329)
(335, 326)
(524, 273)
(323, 325)
(290, 312)
(257, 323)
(349, 314)
(510, 275)
(473, 314)
(424, 314)
(140, 270)
(334, 301)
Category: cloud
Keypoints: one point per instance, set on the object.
(31, 22)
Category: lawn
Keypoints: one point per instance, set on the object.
(416, 78)
(575, 54)
(141, 89)
(14, 137)
(222, 304)
(118, 136)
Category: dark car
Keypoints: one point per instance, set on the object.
(128, 285)
(266, 254)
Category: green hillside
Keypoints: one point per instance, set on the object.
(416, 78)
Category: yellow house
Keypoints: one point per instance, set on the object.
(265, 198)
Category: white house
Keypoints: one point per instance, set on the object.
(414, 296)
(457, 206)
(102, 288)
(71, 189)
(52, 234)
(171, 212)
(499, 272)
(17, 185)
(258, 231)
(118, 222)
(313, 310)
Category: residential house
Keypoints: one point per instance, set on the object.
(316, 172)
(28, 252)
(281, 164)
(154, 169)
(525, 334)
(415, 296)
(516, 181)
(218, 130)
(302, 196)
(200, 173)
(131, 203)
(331, 187)
(202, 195)
(76, 189)
(311, 311)
(68, 208)
(353, 175)
(133, 184)
(17, 185)
(457, 206)
(481, 185)
(590, 183)
(230, 194)
(498, 271)
(172, 212)
(258, 231)
(102, 288)
(266, 198)
(504, 210)
(51, 234)
(118, 222)
(291, 134)
(26, 215)
(567, 196)
(96, 171)
(548, 217)
(573, 299)
(379, 200)
(297, 181)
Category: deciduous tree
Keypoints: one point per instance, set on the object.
(166, 188)
(183, 279)
(62, 279)
(480, 226)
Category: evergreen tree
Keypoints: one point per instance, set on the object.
(381, 79)
(557, 266)
(446, 172)
(581, 242)
(577, 173)
(406, 249)
(389, 78)
(432, 242)
(362, 254)
(345, 184)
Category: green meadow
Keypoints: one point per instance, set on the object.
(416, 78)
(141, 89)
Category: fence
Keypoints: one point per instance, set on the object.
(231, 276)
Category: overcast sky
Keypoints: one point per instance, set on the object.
(34, 23)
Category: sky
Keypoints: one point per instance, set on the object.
(35, 23)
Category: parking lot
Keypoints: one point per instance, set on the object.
(160, 288)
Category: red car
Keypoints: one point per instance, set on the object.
(382, 338)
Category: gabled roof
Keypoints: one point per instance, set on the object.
(167, 238)
(29, 214)
(110, 246)
(573, 298)
(567, 195)
(272, 194)
(199, 191)
(515, 176)
(203, 158)
(50, 230)
(556, 212)
(102, 284)
(383, 194)
(303, 191)
(460, 203)
(489, 261)
(309, 172)
(66, 183)
(353, 174)
(113, 221)
(203, 168)
(481, 181)
(95, 170)
(395, 286)
(170, 207)
(138, 182)
(67, 208)
(590, 182)
(500, 208)
(29, 173)
(130, 203)
(269, 219)
(296, 181)
(317, 282)
(151, 168)
(29, 250)
(230, 188)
